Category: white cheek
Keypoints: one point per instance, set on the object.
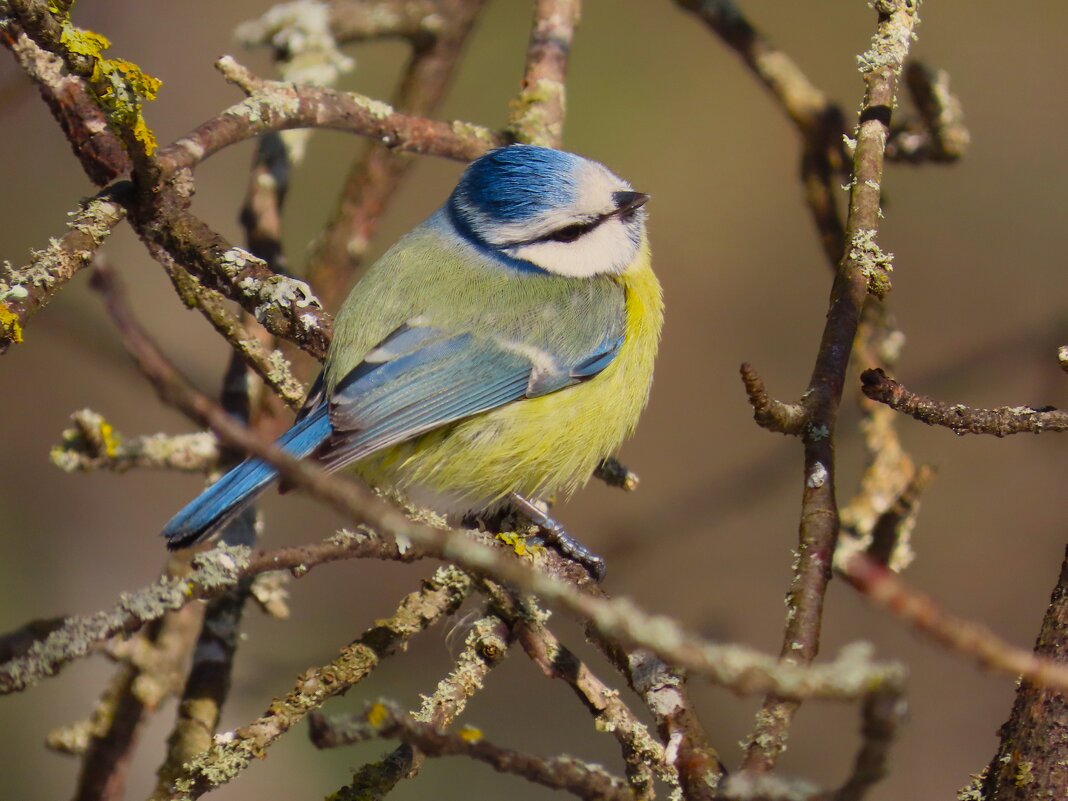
(605, 249)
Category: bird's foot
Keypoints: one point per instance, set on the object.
(556, 535)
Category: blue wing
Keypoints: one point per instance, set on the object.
(234, 491)
(417, 379)
(421, 378)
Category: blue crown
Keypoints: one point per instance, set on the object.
(517, 183)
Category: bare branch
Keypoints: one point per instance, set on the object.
(641, 753)
(940, 135)
(966, 637)
(663, 689)
(213, 572)
(26, 290)
(1032, 757)
(861, 271)
(358, 20)
(151, 673)
(882, 715)
(559, 773)
(960, 419)
(93, 444)
(84, 125)
(774, 415)
(485, 647)
(440, 596)
(537, 114)
(275, 106)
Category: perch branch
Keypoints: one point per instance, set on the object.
(960, 419)
(738, 667)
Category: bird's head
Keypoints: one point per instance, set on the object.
(560, 212)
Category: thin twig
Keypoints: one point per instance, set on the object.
(439, 597)
(93, 444)
(26, 290)
(485, 647)
(861, 271)
(940, 135)
(213, 572)
(889, 591)
(151, 674)
(616, 474)
(374, 178)
(882, 715)
(579, 778)
(819, 121)
(276, 106)
(961, 419)
(537, 114)
(774, 415)
(643, 756)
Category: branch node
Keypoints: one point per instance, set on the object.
(774, 415)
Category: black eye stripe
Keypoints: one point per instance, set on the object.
(569, 233)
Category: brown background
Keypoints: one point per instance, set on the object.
(979, 289)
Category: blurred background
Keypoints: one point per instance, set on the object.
(979, 289)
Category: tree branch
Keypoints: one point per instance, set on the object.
(537, 114)
(439, 596)
(861, 271)
(889, 591)
(276, 106)
(485, 647)
(961, 419)
(586, 781)
(26, 290)
(1032, 758)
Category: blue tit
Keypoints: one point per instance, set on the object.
(495, 354)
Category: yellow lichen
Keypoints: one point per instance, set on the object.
(377, 715)
(517, 542)
(121, 87)
(470, 734)
(10, 328)
(110, 439)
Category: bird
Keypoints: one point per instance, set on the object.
(494, 355)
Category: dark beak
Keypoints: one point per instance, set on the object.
(629, 201)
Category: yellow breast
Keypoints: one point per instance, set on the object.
(539, 446)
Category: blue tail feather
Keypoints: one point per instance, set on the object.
(230, 494)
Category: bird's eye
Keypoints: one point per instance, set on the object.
(569, 233)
